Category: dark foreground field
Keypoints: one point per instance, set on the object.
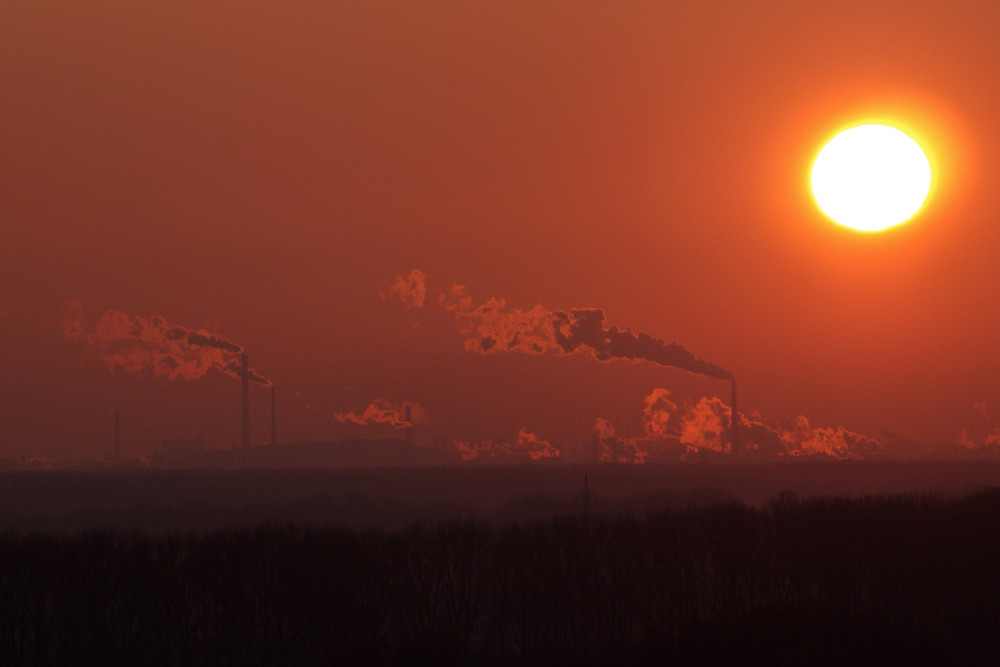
(870, 580)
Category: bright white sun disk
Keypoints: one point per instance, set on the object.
(871, 177)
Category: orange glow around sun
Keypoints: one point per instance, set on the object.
(871, 177)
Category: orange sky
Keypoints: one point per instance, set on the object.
(260, 172)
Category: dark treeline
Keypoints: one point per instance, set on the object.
(393, 498)
(820, 581)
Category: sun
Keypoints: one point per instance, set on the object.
(871, 177)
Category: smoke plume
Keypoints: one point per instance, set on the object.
(612, 449)
(137, 344)
(801, 439)
(656, 411)
(704, 424)
(702, 428)
(989, 443)
(603, 428)
(381, 411)
(527, 444)
(409, 289)
(492, 327)
(72, 320)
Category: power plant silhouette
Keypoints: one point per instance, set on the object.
(178, 352)
(292, 453)
(191, 452)
(389, 452)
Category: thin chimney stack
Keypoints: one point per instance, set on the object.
(118, 438)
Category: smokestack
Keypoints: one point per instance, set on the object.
(274, 423)
(734, 422)
(245, 362)
(410, 435)
(118, 439)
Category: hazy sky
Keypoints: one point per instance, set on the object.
(260, 170)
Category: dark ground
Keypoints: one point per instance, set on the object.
(829, 581)
(395, 497)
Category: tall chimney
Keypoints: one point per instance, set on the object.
(246, 401)
(734, 423)
(118, 439)
(274, 424)
(410, 435)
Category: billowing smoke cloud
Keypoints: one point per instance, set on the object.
(800, 439)
(137, 344)
(235, 368)
(992, 440)
(381, 411)
(704, 426)
(584, 329)
(72, 320)
(612, 449)
(527, 444)
(656, 411)
(492, 327)
(603, 428)
(989, 443)
(410, 289)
